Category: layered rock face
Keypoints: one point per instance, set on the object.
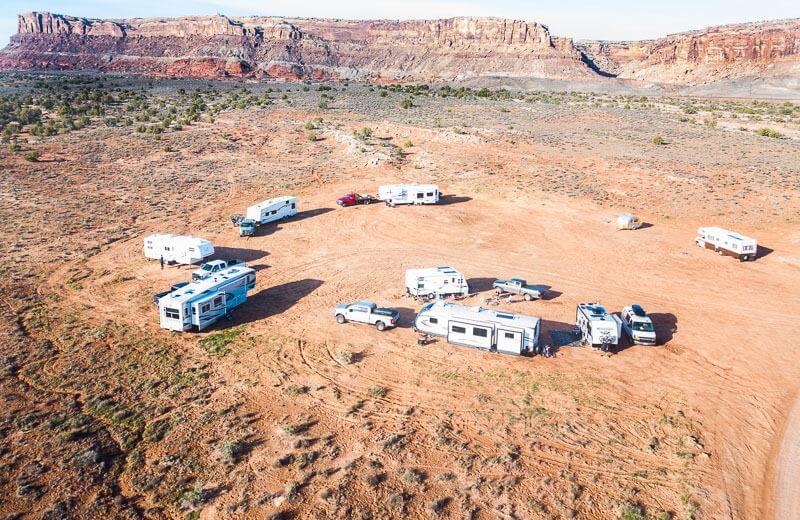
(294, 48)
(756, 49)
(389, 51)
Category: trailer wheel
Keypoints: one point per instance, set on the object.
(340, 319)
(381, 326)
(528, 297)
(498, 291)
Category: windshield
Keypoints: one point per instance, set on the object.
(642, 327)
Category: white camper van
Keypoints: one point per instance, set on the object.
(393, 194)
(177, 249)
(481, 328)
(272, 210)
(200, 303)
(597, 327)
(628, 221)
(435, 281)
(727, 243)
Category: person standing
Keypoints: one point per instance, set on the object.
(162, 262)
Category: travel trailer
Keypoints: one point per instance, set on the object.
(727, 243)
(393, 194)
(597, 327)
(628, 221)
(434, 282)
(177, 249)
(481, 328)
(272, 210)
(201, 303)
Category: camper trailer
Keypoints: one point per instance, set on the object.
(393, 194)
(597, 327)
(727, 243)
(628, 221)
(272, 210)
(177, 249)
(434, 282)
(481, 328)
(201, 303)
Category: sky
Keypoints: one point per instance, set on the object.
(608, 20)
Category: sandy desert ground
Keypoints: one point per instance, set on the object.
(281, 412)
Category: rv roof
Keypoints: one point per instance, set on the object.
(722, 231)
(479, 313)
(275, 200)
(638, 310)
(595, 310)
(199, 287)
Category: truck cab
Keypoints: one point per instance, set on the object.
(367, 312)
(213, 267)
(247, 227)
(638, 325)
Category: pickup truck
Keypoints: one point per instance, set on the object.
(638, 325)
(517, 286)
(367, 312)
(355, 199)
(214, 266)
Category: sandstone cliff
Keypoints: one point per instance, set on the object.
(756, 49)
(388, 51)
(435, 50)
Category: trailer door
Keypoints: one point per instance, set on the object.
(509, 341)
(477, 335)
(208, 310)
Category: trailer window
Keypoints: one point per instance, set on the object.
(217, 301)
(481, 333)
(429, 194)
(509, 335)
(205, 307)
(292, 205)
(434, 320)
(420, 195)
(172, 313)
(459, 330)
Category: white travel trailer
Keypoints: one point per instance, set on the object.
(727, 243)
(435, 281)
(177, 249)
(628, 221)
(597, 327)
(393, 194)
(200, 303)
(481, 328)
(272, 210)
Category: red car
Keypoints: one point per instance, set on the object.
(355, 199)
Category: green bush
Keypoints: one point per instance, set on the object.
(769, 132)
(658, 140)
(31, 156)
(406, 103)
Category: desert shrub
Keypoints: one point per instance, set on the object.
(345, 357)
(229, 451)
(383, 93)
(312, 136)
(310, 125)
(322, 105)
(629, 511)
(14, 147)
(407, 144)
(31, 156)
(217, 343)
(406, 103)
(768, 132)
(378, 391)
(657, 140)
(296, 390)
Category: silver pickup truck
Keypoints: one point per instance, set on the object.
(367, 312)
(517, 286)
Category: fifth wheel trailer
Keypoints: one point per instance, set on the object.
(393, 194)
(727, 243)
(177, 249)
(200, 303)
(481, 328)
(272, 210)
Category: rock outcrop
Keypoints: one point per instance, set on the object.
(755, 49)
(391, 51)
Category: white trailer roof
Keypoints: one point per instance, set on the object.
(176, 239)
(427, 271)
(722, 232)
(198, 287)
(412, 185)
(595, 312)
(482, 314)
(276, 200)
